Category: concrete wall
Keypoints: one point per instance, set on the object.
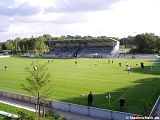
(21, 97)
(91, 111)
(79, 109)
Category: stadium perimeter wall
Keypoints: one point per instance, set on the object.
(156, 109)
(79, 109)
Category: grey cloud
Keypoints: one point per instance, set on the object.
(7, 2)
(4, 24)
(3, 27)
(22, 10)
(70, 18)
(67, 18)
(81, 5)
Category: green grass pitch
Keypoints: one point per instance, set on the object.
(139, 88)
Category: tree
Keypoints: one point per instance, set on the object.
(40, 47)
(1, 47)
(128, 42)
(10, 45)
(37, 83)
(147, 41)
(144, 43)
(4, 46)
(47, 37)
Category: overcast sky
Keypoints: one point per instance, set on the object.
(116, 18)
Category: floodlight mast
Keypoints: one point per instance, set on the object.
(16, 44)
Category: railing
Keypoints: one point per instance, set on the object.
(8, 114)
(156, 109)
(79, 109)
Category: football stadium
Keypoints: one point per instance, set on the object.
(77, 67)
(79, 60)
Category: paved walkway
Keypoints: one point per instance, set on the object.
(30, 107)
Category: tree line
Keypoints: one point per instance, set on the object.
(141, 43)
(33, 44)
(146, 43)
(28, 45)
(25, 45)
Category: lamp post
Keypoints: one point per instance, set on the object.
(100, 34)
(16, 43)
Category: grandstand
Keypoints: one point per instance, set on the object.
(83, 48)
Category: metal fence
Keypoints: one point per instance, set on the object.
(79, 109)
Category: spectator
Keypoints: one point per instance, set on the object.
(122, 102)
(90, 99)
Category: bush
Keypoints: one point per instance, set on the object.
(48, 116)
(25, 116)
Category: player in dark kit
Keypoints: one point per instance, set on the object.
(90, 99)
(112, 61)
(142, 65)
(5, 67)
